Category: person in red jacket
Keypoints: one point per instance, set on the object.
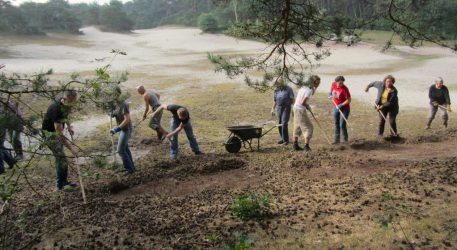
(341, 98)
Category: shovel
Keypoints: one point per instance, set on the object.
(138, 123)
(341, 112)
(442, 107)
(385, 119)
(83, 192)
(319, 125)
(112, 141)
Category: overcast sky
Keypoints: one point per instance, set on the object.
(18, 2)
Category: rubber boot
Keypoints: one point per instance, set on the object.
(296, 147)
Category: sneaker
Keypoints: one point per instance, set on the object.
(335, 143)
(297, 148)
(120, 170)
(127, 173)
(19, 157)
(164, 136)
(69, 187)
(159, 135)
(280, 142)
(285, 143)
(11, 166)
(71, 184)
(307, 148)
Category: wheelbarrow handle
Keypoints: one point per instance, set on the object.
(275, 126)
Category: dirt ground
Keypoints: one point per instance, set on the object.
(329, 198)
(368, 194)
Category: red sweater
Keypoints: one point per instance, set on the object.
(340, 95)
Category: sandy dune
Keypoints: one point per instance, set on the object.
(181, 53)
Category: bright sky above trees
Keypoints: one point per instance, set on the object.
(18, 2)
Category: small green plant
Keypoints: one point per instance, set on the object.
(7, 189)
(240, 242)
(386, 196)
(383, 220)
(250, 206)
(213, 238)
(99, 161)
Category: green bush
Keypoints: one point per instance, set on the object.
(207, 22)
(250, 206)
(239, 242)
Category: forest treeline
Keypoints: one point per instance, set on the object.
(437, 16)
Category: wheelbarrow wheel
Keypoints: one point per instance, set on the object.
(233, 144)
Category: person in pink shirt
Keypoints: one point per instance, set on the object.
(341, 98)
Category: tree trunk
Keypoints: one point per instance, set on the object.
(235, 3)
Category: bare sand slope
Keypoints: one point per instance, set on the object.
(181, 52)
(147, 50)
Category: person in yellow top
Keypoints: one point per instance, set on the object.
(386, 103)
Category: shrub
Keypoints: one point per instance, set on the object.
(239, 242)
(207, 22)
(250, 206)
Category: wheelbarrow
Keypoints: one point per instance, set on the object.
(243, 136)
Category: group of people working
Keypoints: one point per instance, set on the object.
(386, 104)
(56, 119)
(284, 101)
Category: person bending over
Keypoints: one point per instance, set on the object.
(180, 120)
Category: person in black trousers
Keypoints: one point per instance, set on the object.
(386, 103)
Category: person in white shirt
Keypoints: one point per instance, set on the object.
(302, 123)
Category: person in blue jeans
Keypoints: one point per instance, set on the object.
(14, 114)
(283, 98)
(124, 125)
(341, 98)
(179, 121)
(5, 155)
(53, 126)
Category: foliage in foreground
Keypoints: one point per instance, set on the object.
(288, 27)
(30, 93)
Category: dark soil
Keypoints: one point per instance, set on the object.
(331, 191)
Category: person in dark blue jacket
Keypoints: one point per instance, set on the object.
(439, 98)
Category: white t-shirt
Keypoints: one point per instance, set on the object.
(302, 93)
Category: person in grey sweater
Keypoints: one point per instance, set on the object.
(283, 98)
(386, 103)
(439, 98)
(151, 99)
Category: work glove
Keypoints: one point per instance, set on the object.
(339, 106)
(114, 130)
(330, 96)
(435, 103)
(273, 113)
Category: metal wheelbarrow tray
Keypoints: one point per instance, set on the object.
(243, 136)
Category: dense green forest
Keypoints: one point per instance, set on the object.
(437, 16)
